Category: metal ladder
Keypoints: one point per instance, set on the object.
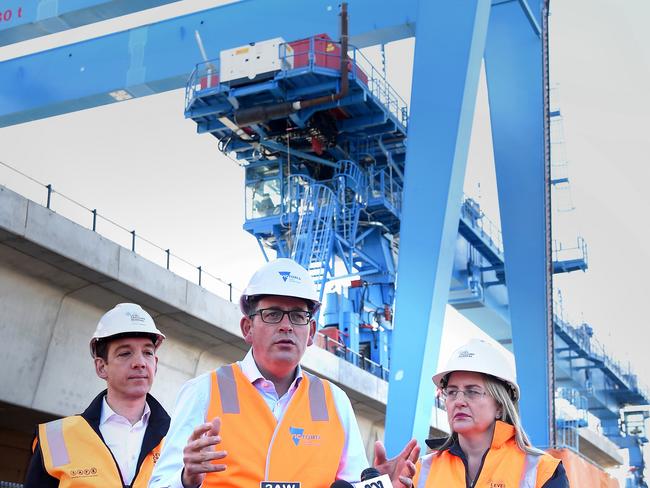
(351, 193)
(312, 245)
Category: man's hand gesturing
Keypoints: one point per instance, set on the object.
(199, 454)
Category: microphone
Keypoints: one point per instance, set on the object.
(370, 478)
(341, 484)
(369, 473)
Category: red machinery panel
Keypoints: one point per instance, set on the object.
(210, 82)
(326, 53)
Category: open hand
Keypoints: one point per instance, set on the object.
(199, 454)
(401, 468)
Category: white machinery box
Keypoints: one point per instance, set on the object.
(256, 60)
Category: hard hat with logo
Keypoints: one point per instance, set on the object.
(480, 356)
(125, 318)
(282, 277)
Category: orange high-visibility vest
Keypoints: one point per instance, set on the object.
(75, 455)
(304, 446)
(505, 466)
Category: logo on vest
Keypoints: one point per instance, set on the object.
(83, 472)
(155, 456)
(497, 484)
(298, 435)
(287, 276)
(279, 484)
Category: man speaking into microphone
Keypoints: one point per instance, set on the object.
(264, 422)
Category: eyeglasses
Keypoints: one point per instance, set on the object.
(470, 395)
(275, 316)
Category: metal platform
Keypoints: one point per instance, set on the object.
(371, 121)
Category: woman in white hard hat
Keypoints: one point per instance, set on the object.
(487, 447)
(117, 439)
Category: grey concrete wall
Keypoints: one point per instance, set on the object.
(45, 362)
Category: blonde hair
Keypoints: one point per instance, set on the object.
(501, 393)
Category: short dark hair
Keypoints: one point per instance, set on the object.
(252, 302)
(101, 346)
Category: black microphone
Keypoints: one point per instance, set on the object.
(371, 478)
(368, 473)
(341, 484)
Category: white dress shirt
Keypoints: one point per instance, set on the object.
(123, 439)
(192, 405)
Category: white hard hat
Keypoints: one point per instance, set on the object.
(125, 318)
(282, 277)
(480, 356)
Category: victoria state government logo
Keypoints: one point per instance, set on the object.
(287, 276)
(299, 437)
(83, 472)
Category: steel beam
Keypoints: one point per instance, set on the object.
(21, 20)
(450, 41)
(515, 68)
(160, 56)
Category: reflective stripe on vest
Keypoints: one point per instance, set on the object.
(228, 390)
(529, 476)
(230, 399)
(424, 470)
(58, 450)
(317, 404)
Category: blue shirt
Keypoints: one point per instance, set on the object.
(192, 406)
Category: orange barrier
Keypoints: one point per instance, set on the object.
(581, 473)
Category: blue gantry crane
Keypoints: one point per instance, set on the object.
(454, 40)
(325, 177)
(323, 136)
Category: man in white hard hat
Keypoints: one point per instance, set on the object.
(116, 441)
(264, 421)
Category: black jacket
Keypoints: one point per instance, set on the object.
(558, 480)
(38, 477)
